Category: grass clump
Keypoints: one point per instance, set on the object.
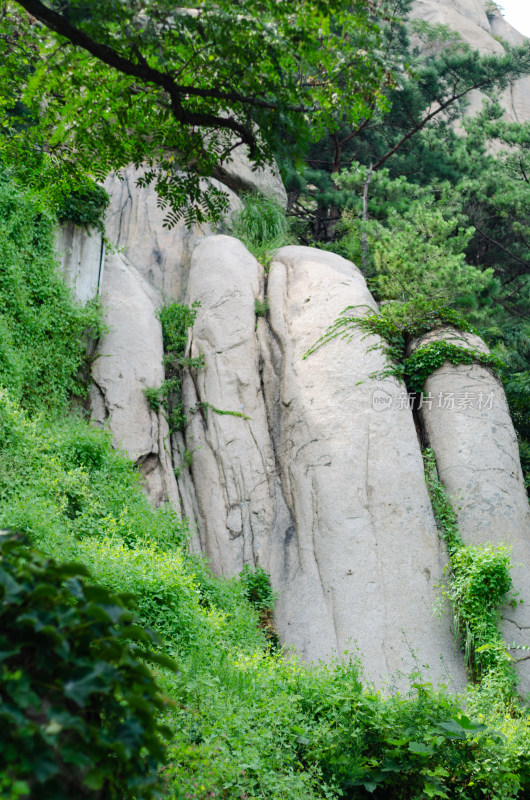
(262, 226)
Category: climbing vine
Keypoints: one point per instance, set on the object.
(176, 319)
(479, 585)
(425, 360)
(397, 325)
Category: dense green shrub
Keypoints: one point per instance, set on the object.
(62, 483)
(42, 331)
(78, 710)
(256, 584)
(65, 192)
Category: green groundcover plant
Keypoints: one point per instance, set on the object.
(78, 710)
(245, 720)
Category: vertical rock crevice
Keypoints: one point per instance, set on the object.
(227, 429)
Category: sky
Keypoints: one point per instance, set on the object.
(517, 13)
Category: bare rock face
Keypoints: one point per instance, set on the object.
(236, 487)
(468, 425)
(129, 360)
(81, 256)
(302, 483)
(135, 224)
(239, 174)
(486, 30)
(359, 565)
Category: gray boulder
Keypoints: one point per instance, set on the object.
(358, 567)
(238, 173)
(81, 255)
(468, 425)
(236, 492)
(129, 360)
(134, 224)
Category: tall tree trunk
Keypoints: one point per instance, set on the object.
(364, 241)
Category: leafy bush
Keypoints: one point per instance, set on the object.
(257, 587)
(62, 483)
(84, 206)
(58, 185)
(78, 708)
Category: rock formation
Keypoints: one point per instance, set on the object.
(129, 361)
(81, 259)
(481, 26)
(309, 467)
(306, 466)
(468, 425)
(363, 550)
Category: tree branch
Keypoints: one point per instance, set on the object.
(147, 74)
(522, 261)
(421, 124)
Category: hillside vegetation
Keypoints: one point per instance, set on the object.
(190, 696)
(245, 720)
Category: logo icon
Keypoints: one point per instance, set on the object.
(381, 400)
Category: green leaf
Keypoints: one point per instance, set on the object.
(11, 587)
(80, 690)
(94, 779)
(420, 749)
(44, 769)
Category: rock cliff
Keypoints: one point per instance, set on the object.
(481, 26)
(306, 466)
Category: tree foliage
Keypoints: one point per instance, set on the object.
(181, 87)
(413, 134)
(78, 707)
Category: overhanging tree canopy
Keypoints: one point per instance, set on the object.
(179, 87)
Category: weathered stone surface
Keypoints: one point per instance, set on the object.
(481, 31)
(468, 18)
(130, 360)
(360, 564)
(236, 497)
(478, 462)
(134, 223)
(238, 174)
(81, 256)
